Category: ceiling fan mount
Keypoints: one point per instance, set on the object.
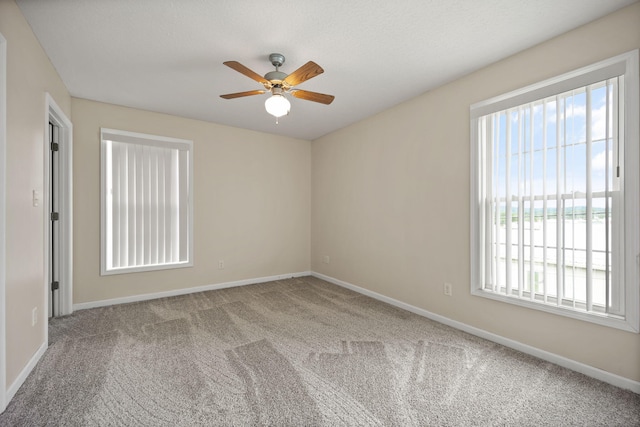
(277, 59)
(278, 84)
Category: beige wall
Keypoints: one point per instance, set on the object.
(390, 201)
(29, 76)
(252, 203)
(389, 205)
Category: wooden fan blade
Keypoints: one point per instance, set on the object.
(313, 96)
(307, 71)
(241, 94)
(247, 72)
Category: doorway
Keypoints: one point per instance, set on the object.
(54, 218)
(59, 216)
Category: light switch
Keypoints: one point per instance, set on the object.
(36, 198)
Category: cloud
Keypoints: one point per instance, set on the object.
(599, 161)
(599, 122)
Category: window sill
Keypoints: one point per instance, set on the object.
(145, 268)
(599, 319)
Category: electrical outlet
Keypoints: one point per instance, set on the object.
(34, 316)
(221, 264)
(448, 290)
(326, 259)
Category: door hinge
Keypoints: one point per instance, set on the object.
(55, 216)
(55, 286)
(55, 146)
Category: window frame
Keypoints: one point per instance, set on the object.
(107, 134)
(627, 65)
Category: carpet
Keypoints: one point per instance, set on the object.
(296, 352)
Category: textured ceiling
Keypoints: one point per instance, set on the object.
(167, 55)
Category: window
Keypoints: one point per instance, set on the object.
(555, 194)
(147, 204)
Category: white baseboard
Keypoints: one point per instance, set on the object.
(156, 295)
(13, 389)
(582, 368)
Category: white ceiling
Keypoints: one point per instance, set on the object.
(167, 55)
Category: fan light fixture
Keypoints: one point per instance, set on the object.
(277, 105)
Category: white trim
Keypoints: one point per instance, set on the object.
(563, 83)
(598, 319)
(625, 64)
(587, 370)
(3, 219)
(137, 138)
(13, 389)
(632, 186)
(156, 295)
(55, 114)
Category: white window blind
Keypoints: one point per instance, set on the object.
(555, 200)
(146, 202)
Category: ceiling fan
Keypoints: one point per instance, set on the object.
(278, 84)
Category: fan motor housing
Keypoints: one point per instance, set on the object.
(275, 77)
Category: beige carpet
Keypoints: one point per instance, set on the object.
(298, 352)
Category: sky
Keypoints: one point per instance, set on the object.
(572, 123)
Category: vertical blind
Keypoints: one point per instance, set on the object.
(552, 210)
(146, 212)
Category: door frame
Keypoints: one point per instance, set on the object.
(3, 219)
(54, 114)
